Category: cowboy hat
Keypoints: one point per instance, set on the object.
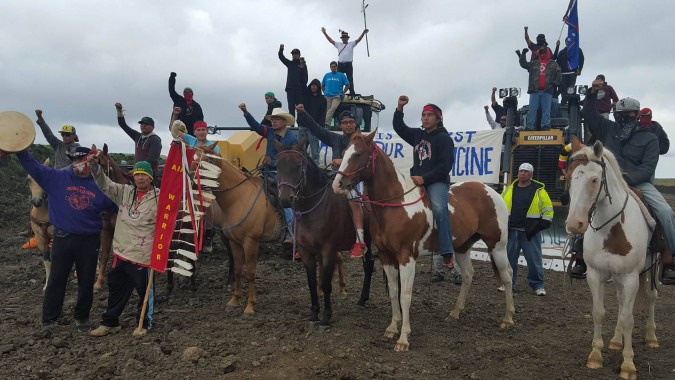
(278, 112)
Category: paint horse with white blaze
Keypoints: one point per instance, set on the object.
(615, 246)
(402, 227)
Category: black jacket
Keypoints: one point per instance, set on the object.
(296, 78)
(664, 142)
(433, 153)
(315, 105)
(637, 156)
(561, 58)
(188, 114)
(338, 143)
(275, 104)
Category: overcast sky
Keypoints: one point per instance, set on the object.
(75, 59)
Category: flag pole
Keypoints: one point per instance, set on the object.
(141, 320)
(365, 25)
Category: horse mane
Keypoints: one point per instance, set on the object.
(611, 161)
(314, 172)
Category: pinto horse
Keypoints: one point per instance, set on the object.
(39, 222)
(402, 227)
(615, 246)
(248, 218)
(323, 225)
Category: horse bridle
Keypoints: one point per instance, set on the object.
(38, 202)
(603, 186)
(370, 163)
(303, 179)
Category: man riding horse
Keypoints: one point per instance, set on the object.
(637, 151)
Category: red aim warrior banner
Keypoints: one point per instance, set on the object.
(170, 196)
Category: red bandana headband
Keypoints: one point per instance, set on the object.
(434, 110)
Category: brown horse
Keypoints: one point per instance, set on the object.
(402, 228)
(39, 222)
(115, 173)
(323, 224)
(248, 219)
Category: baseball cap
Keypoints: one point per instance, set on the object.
(68, 129)
(147, 120)
(526, 166)
(78, 153)
(270, 94)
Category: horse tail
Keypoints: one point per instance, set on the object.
(644, 281)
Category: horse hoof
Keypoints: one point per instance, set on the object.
(505, 325)
(616, 346)
(652, 343)
(248, 312)
(390, 334)
(342, 295)
(628, 374)
(594, 364)
(455, 314)
(401, 347)
(324, 328)
(233, 303)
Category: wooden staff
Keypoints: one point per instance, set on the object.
(365, 25)
(145, 301)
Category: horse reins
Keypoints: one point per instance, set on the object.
(603, 186)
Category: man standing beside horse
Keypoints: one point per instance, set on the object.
(637, 151)
(76, 216)
(132, 245)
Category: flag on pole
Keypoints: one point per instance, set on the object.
(572, 21)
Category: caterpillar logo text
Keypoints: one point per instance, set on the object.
(552, 137)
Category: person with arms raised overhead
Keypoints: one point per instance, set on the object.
(345, 54)
(191, 111)
(148, 144)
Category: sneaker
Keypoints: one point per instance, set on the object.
(104, 330)
(437, 277)
(668, 275)
(456, 276)
(139, 334)
(448, 259)
(501, 288)
(30, 244)
(358, 250)
(288, 242)
(578, 271)
(296, 256)
(540, 292)
(82, 326)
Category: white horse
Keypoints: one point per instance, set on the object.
(615, 246)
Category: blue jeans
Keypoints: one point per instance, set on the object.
(438, 196)
(532, 251)
(662, 210)
(540, 99)
(303, 132)
(555, 107)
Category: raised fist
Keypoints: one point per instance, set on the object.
(525, 28)
(486, 108)
(402, 101)
(494, 89)
(176, 110)
(281, 46)
(242, 107)
(38, 113)
(173, 74)
(323, 29)
(300, 108)
(118, 106)
(526, 50)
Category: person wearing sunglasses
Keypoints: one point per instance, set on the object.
(69, 141)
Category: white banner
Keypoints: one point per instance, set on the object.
(477, 154)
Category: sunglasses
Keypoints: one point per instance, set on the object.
(66, 134)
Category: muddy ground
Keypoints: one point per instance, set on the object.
(550, 340)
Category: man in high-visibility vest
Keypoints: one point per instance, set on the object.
(530, 211)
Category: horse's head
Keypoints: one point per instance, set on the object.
(358, 162)
(591, 170)
(38, 197)
(292, 165)
(109, 166)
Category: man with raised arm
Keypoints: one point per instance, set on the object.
(345, 54)
(191, 111)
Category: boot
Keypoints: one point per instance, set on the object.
(208, 241)
(579, 269)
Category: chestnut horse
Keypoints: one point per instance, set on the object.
(402, 227)
(615, 246)
(39, 222)
(323, 223)
(248, 218)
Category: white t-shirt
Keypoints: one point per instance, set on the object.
(345, 51)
